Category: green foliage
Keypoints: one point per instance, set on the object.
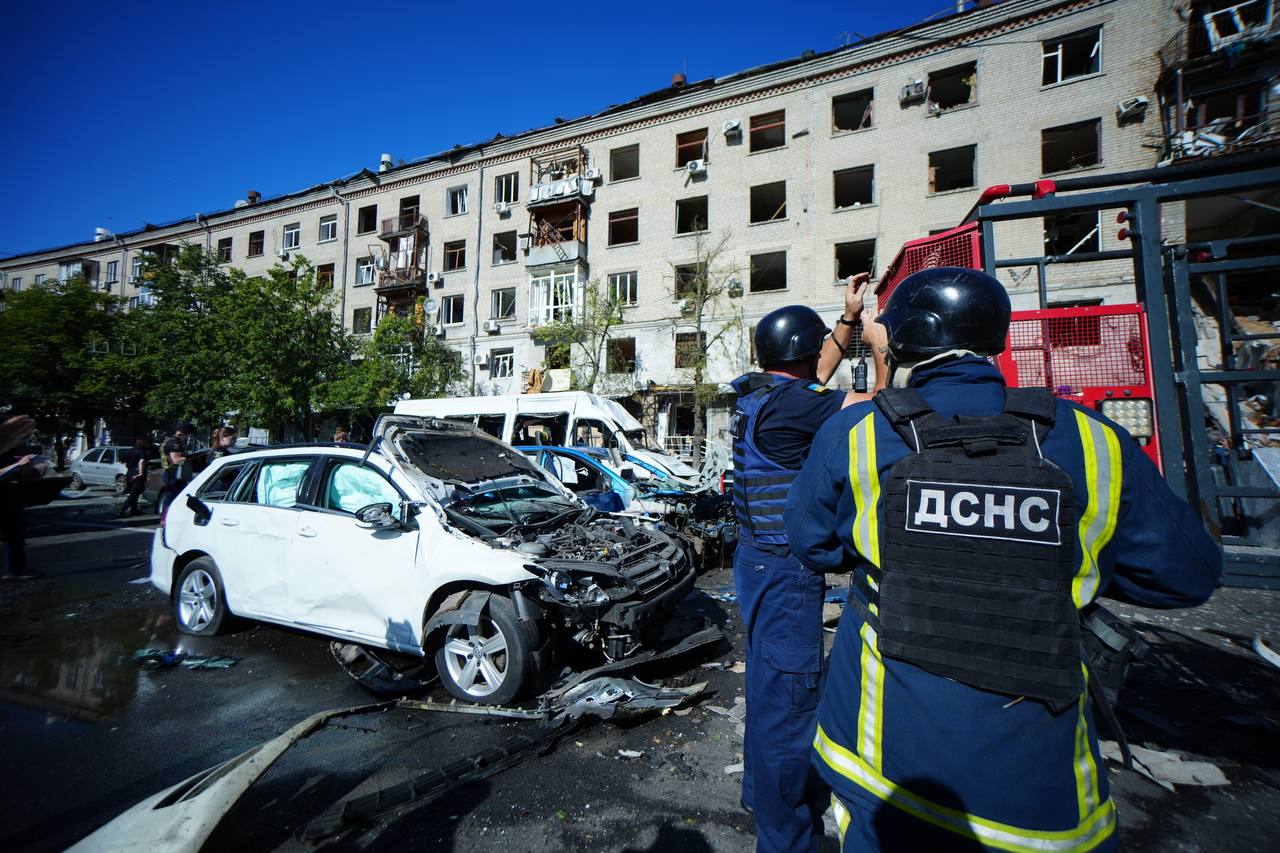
(61, 353)
(583, 340)
(402, 357)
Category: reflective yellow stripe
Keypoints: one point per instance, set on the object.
(842, 817)
(1101, 449)
(871, 705)
(1092, 830)
(864, 477)
(1085, 769)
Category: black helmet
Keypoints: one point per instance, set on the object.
(791, 333)
(946, 308)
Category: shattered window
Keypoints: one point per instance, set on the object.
(279, 482)
(217, 487)
(540, 429)
(953, 87)
(854, 111)
(1071, 146)
(1072, 56)
(351, 487)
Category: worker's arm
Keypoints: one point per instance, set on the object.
(876, 337)
(837, 343)
(814, 514)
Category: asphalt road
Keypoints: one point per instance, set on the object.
(85, 732)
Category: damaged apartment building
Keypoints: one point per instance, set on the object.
(802, 172)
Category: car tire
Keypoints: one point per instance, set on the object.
(77, 482)
(199, 600)
(120, 484)
(490, 663)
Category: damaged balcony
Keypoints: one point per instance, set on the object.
(401, 273)
(562, 175)
(407, 223)
(557, 234)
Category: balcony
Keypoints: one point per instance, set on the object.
(408, 222)
(571, 188)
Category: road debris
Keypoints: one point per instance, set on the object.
(738, 667)
(731, 769)
(170, 658)
(630, 754)
(725, 594)
(737, 713)
(1167, 769)
(1266, 652)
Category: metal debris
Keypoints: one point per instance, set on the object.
(1266, 652)
(1167, 769)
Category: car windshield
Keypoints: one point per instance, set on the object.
(519, 504)
(639, 440)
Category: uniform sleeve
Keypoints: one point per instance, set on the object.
(813, 506)
(1163, 556)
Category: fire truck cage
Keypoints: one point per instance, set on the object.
(1149, 349)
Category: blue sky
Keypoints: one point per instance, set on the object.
(119, 114)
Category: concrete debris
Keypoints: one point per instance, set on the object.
(737, 713)
(730, 769)
(1167, 769)
(630, 753)
(738, 667)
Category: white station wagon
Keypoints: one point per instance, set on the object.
(438, 541)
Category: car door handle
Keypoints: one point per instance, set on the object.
(308, 532)
(229, 522)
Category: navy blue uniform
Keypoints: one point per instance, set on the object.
(918, 761)
(781, 603)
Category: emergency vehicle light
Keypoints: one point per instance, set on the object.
(1134, 414)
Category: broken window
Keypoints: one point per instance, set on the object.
(854, 187)
(451, 309)
(324, 277)
(855, 257)
(455, 201)
(1226, 112)
(502, 305)
(624, 163)
(257, 239)
(691, 215)
(768, 271)
(769, 202)
(541, 429)
(224, 249)
(1072, 56)
(504, 247)
(502, 363)
(506, 188)
(1072, 233)
(769, 131)
(953, 87)
(624, 288)
(409, 211)
(621, 355)
(1226, 22)
(367, 219)
(624, 227)
(1071, 146)
(691, 145)
(952, 169)
(854, 111)
(361, 321)
(690, 348)
(364, 271)
(689, 280)
(455, 255)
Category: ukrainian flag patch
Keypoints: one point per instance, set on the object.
(818, 389)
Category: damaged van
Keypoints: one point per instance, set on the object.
(437, 541)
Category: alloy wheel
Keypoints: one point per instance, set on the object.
(197, 600)
(476, 656)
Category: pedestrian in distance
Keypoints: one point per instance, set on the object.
(135, 476)
(977, 521)
(177, 467)
(341, 435)
(223, 443)
(776, 416)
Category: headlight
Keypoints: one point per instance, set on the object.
(1134, 414)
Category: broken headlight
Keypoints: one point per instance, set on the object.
(563, 587)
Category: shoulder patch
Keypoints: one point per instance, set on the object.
(818, 389)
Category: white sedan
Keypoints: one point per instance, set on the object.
(439, 542)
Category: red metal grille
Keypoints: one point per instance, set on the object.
(959, 247)
(1073, 349)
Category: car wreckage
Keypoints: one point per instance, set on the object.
(437, 541)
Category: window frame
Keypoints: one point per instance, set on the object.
(459, 299)
(751, 203)
(369, 320)
(753, 129)
(331, 220)
(111, 274)
(702, 142)
(505, 356)
(321, 270)
(373, 219)
(461, 191)
(495, 299)
(331, 464)
(871, 111)
(515, 248)
(15, 284)
(1097, 136)
(507, 181)
(609, 361)
(633, 288)
(933, 179)
(261, 243)
(295, 229)
(1058, 42)
(751, 272)
(699, 344)
(225, 245)
(613, 152)
(706, 209)
(454, 253)
(240, 468)
(617, 217)
(361, 279)
(835, 177)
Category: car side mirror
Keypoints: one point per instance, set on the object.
(200, 509)
(380, 516)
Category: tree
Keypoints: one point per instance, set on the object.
(585, 334)
(709, 318)
(403, 356)
(61, 354)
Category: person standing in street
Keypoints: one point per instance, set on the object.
(977, 521)
(135, 463)
(223, 444)
(777, 414)
(177, 470)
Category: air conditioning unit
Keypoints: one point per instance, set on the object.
(435, 278)
(696, 167)
(492, 327)
(1133, 109)
(732, 127)
(594, 174)
(913, 91)
(282, 254)
(482, 359)
(523, 242)
(502, 208)
(439, 331)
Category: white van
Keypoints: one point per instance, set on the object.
(562, 419)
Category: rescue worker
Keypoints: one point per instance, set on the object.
(777, 414)
(977, 521)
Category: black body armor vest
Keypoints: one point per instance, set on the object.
(977, 551)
